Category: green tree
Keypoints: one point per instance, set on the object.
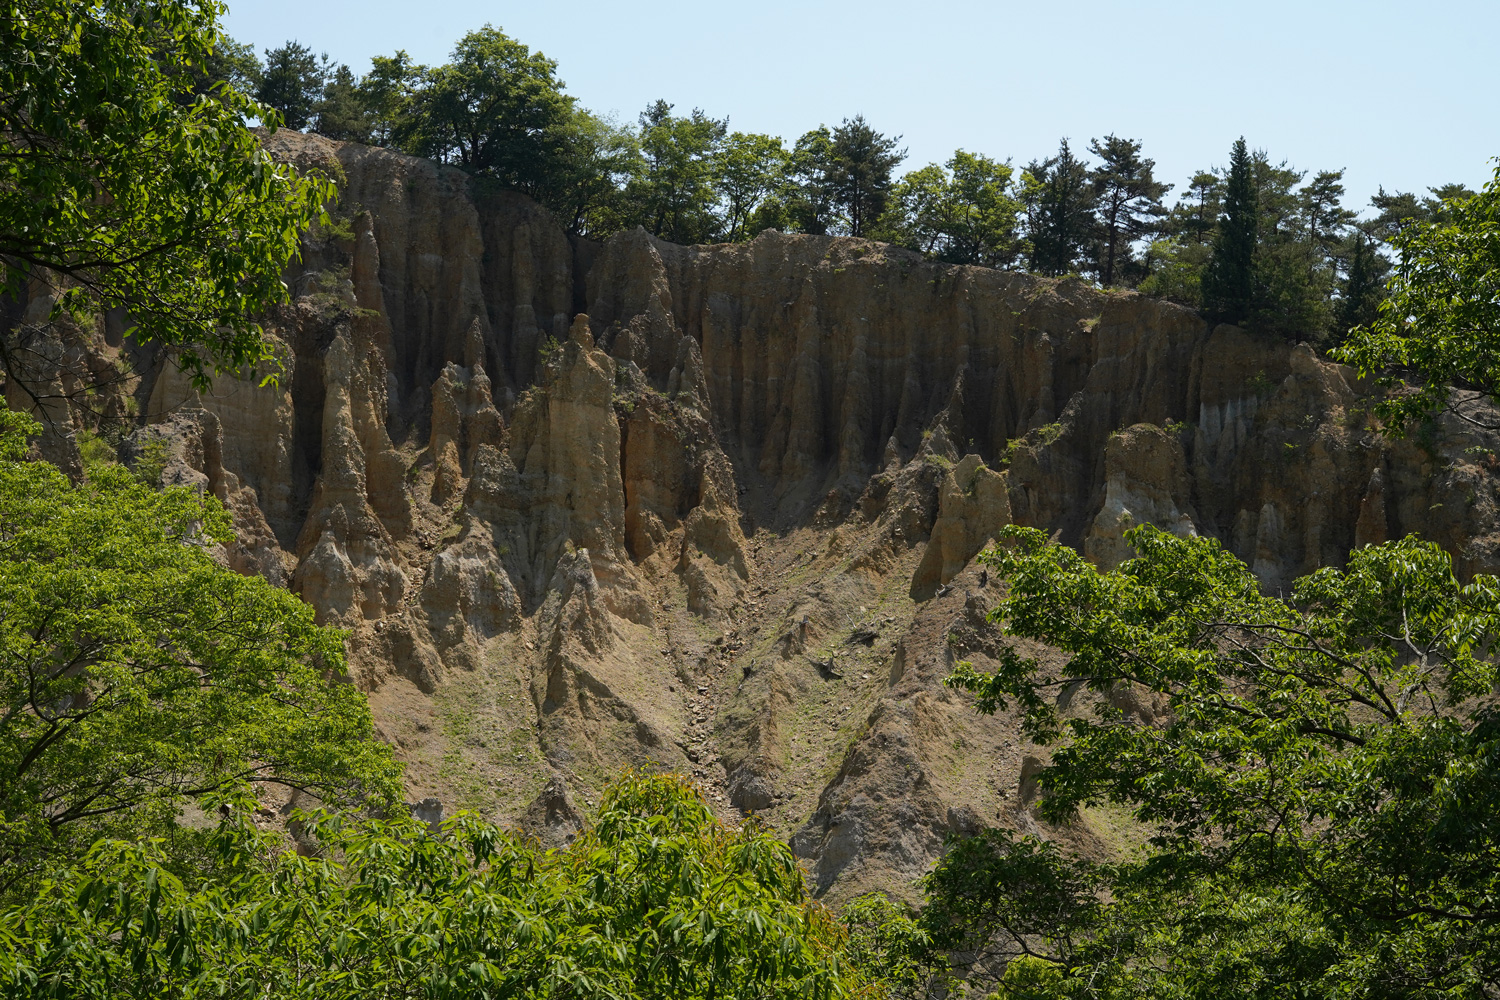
(674, 190)
(341, 114)
(1128, 199)
(497, 109)
(386, 92)
(1292, 278)
(1229, 281)
(1059, 204)
(1318, 795)
(749, 168)
(656, 898)
(858, 172)
(1362, 288)
(292, 84)
(137, 674)
(1175, 263)
(1435, 344)
(117, 188)
(961, 213)
(596, 159)
(807, 203)
(229, 63)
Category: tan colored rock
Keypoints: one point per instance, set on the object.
(973, 505)
(1145, 483)
(725, 523)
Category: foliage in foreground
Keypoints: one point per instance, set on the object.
(123, 185)
(1322, 795)
(655, 899)
(1436, 340)
(137, 674)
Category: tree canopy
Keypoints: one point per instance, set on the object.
(1435, 342)
(656, 898)
(122, 185)
(1318, 801)
(136, 674)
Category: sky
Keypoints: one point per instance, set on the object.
(1402, 95)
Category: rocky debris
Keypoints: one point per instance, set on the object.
(552, 818)
(715, 509)
(429, 811)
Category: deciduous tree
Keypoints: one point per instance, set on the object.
(674, 190)
(118, 188)
(1436, 342)
(1316, 800)
(137, 674)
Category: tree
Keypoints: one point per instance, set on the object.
(497, 109)
(229, 63)
(1362, 289)
(1175, 263)
(292, 84)
(1059, 204)
(597, 157)
(748, 170)
(134, 196)
(341, 114)
(807, 202)
(1318, 795)
(962, 213)
(1324, 215)
(1293, 277)
(1229, 282)
(1435, 344)
(1128, 197)
(137, 674)
(1196, 214)
(674, 192)
(858, 171)
(386, 92)
(656, 898)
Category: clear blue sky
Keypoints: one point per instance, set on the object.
(1402, 94)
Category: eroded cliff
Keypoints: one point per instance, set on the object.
(715, 509)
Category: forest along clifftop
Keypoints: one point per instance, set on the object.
(715, 508)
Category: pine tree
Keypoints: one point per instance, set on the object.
(292, 83)
(1229, 285)
(1129, 203)
(1059, 204)
(862, 160)
(1362, 290)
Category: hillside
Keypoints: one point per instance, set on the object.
(714, 508)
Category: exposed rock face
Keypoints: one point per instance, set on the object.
(716, 508)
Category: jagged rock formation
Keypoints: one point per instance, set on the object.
(715, 508)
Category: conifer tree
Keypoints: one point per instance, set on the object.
(1229, 285)
(861, 162)
(1059, 202)
(292, 83)
(1129, 199)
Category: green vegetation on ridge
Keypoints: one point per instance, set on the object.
(1256, 243)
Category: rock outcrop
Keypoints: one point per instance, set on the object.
(716, 508)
